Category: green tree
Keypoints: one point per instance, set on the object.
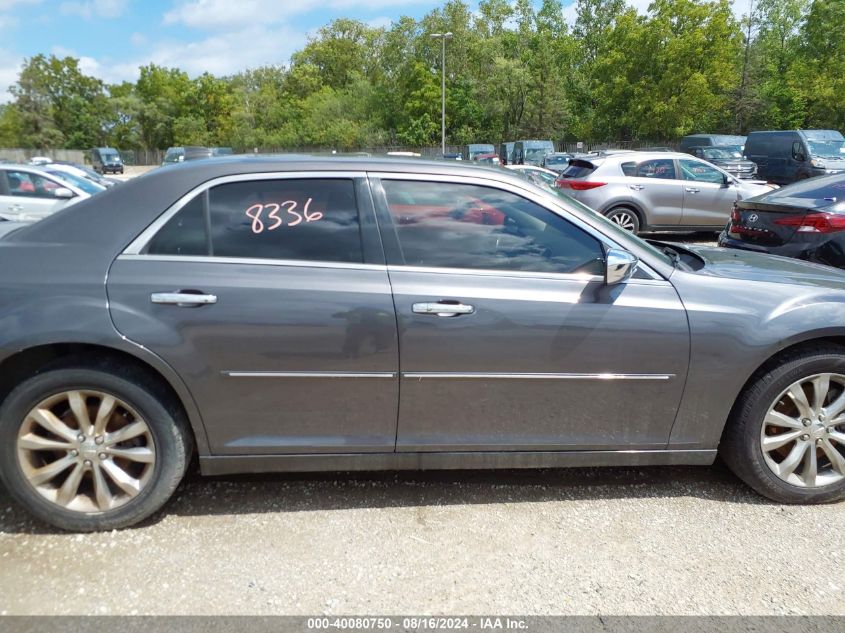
(58, 105)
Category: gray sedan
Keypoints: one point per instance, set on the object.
(301, 314)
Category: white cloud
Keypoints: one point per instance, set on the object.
(138, 39)
(230, 52)
(10, 66)
(103, 9)
(217, 14)
(380, 22)
(221, 13)
(5, 5)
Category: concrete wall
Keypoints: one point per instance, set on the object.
(23, 155)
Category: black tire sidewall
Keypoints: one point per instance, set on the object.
(762, 395)
(171, 447)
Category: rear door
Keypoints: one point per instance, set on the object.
(269, 295)
(654, 185)
(708, 199)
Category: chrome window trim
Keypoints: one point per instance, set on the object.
(251, 261)
(532, 376)
(308, 374)
(140, 243)
(518, 189)
(484, 272)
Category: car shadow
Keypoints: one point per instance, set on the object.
(309, 492)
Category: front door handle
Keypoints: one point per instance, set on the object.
(15, 207)
(691, 190)
(443, 309)
(183, 298)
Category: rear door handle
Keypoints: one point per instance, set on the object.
(443, 309)
(183, 298)
(691, 190)
(637, 187)
(15, 207)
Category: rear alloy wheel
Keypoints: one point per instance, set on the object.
(86, 449)
(624, 218)
(786, 436)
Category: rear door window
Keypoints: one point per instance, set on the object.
(662, 168)
(293, 219)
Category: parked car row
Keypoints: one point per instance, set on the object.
(777, 156)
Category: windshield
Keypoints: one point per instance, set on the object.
(827, 149)
(557, 160)
(83, 183)
(732, 151)
(537, 152)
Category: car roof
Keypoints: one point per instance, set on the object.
(640, 156)
(257, 163)
(38, 169)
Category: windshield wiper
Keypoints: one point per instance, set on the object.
(673, 255)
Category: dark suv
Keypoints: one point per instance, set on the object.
(729, 158)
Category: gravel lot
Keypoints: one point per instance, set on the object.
(582, 541)
(679, 541)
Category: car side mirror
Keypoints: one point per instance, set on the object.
(63, 192)
(726, 180)
(619, 265)
(798, 152)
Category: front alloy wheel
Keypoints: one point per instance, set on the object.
(803, 433)
(86, 451)
(786, 434)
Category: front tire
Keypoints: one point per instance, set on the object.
(87, 449)
(786, 435)
(625, 218)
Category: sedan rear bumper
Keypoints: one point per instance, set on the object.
(828, 251)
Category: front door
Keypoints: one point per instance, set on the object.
(708, 200)
(267, 297)
(654, 185)
(509, 338)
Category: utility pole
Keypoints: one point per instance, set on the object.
(442, 37)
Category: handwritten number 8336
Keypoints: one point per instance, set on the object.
(273, 218)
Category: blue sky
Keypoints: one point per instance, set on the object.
(113, 37)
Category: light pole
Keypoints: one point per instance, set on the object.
(442, 37)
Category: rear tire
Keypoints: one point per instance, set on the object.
(786, 435)
(91, 449)
(625, 218)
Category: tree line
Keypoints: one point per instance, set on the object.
(514, 70)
